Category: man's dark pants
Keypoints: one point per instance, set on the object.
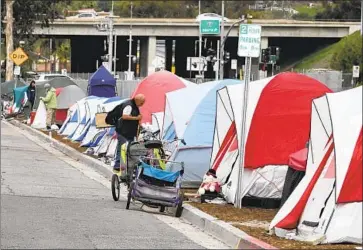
(121, 139)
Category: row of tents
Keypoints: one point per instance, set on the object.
(293, 122)
(101, 83)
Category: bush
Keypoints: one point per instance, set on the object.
(348, 53)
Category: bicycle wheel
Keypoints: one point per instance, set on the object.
(115, 187)
(179, 208)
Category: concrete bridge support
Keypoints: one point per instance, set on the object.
(147, 55)
(169, 54)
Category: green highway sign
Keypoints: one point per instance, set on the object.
(210, 27)
(249, 40)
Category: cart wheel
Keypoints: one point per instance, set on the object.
(162, 209)
(179, 208)
(129, 197)
(115, 187)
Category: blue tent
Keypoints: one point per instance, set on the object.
(199, 135)
(102, 83)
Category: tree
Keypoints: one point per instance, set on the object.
(9, 39)
(348, 54)
(21, 16)
(348, 9)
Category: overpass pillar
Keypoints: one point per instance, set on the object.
(147, 55)
(168, 54)
(264, 42)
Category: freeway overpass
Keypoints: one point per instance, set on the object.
(189, 28)
(296, 38)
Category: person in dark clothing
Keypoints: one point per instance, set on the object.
(31, 94)
(126, 117)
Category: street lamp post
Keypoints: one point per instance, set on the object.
(229, 31)
(130, 43)
(361, 18)
(1, 39)
(110, 43)
(200, 44)
(221, 51)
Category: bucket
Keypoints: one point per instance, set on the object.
(32, 116)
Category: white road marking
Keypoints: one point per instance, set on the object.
(191, 232)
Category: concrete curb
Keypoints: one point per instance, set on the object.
(221, 230)
(99, 166)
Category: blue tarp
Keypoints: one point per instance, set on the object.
(102, 83)
(159, 174)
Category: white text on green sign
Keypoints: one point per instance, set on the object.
(210, 27)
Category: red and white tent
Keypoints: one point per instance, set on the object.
(154, 87)
(326, 206)
(277, 125)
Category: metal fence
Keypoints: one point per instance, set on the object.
(335, 80)
(87, 76)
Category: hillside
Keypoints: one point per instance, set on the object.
(339, 56)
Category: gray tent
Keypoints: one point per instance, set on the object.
(8, 86)
(69, 96)
(59, 82)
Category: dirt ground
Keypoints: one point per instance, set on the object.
(281, 243)
(229, 213)
(62, 139)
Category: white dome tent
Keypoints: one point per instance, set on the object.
(326, 206)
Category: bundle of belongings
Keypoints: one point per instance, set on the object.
(210, 188)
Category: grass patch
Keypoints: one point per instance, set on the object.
(319, 59)
(305, 10)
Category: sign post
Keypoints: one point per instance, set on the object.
(18, 56)
(355, 73)
(249, 45)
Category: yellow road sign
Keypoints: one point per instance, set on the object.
(18, 56)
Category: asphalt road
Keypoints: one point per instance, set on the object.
(50, 201)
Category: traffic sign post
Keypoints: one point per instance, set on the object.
(249, 45)
(355, 73)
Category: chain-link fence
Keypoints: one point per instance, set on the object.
(87, 76)
(335, 80)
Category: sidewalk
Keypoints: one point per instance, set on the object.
(245, 228)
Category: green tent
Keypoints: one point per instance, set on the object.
(20, 98)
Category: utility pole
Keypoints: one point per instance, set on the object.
(9, 39)
(1, 37)
(221, 51)
(50, 55)
(110, 40)
(361, 18)
(200, 43)
(130, 43)
(114, 57)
